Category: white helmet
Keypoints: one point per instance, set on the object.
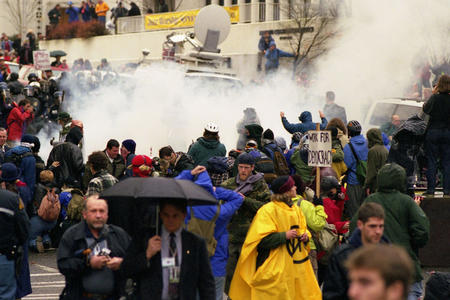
(35, 84)
(212, 127)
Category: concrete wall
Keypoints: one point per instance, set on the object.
(241, 44)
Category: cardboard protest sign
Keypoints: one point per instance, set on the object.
(319, 154)
(41, 60)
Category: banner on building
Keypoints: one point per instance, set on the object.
(179, 19)
(41, 60)
(319, 154)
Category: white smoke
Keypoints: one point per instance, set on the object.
(376, 50)
(372, 57)
(165, 108)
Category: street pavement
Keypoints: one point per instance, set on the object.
(46, 281)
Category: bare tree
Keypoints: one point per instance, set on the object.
(313, 28)
(21, 13)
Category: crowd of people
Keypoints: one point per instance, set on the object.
(17, 50)
(272, 235)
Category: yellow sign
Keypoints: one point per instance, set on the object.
(182, 18)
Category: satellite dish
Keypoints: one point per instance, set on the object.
(212, 26)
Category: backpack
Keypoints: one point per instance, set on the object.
(361, 167)
(17, 158)
(280, 164)
(204, 229)
(326, 239)
(75, 207)
(49, 208)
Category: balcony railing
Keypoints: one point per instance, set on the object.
(257, 12)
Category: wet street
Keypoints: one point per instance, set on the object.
(46, 281)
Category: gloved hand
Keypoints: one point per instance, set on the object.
(317, 200)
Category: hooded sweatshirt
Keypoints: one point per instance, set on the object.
(204, 149)
(305, 125)
(360, 145)
(405, 223)
(231, 202)
(376, 157)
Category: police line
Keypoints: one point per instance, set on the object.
(182, 18)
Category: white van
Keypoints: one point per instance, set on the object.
(381, 111)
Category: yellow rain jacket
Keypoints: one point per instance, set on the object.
(287, 273)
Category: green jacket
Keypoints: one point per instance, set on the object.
(376, 158)
(301, 168)
(203, 149)
(315, 216)
(240, 223)
(405, 223)
(338, 154)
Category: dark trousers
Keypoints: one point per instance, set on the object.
(438, 148)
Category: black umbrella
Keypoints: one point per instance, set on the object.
(133, 201)
(56, 53)
(154, 189)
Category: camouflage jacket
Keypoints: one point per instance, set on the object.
(253, 200)
(101, 181)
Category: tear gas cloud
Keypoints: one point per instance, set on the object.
(371, 58)
(374, 54)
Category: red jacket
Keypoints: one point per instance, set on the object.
(334, 210)
(15, 122)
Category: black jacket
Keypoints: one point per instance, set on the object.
(14, 223)
(335, 285)
(183, 162)
(196, 274)
(438, 107)
(72, 262)
(71, 164)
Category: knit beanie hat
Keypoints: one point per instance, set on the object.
(130, 145)
(268, 134)
(246, 159)
(282, 184)
(141, 166)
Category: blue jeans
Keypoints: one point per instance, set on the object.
(438, 147)
(415, 291)
(220, 286)
(102, 19)
(39, 227)
(8, 279)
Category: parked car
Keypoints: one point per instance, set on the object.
(13, 67)
(381, 111)
(28, 69)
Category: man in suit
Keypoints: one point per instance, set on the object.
(172, 265)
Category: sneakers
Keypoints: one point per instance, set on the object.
(39, 245)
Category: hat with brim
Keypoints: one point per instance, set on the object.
(9, 172)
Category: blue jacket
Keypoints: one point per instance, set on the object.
(27, 167)
(273, 57)
(305, 125)
(270, 149)
(360, 145)
(262, 44)
(73, 13)
(288, 156)
(232, 202)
